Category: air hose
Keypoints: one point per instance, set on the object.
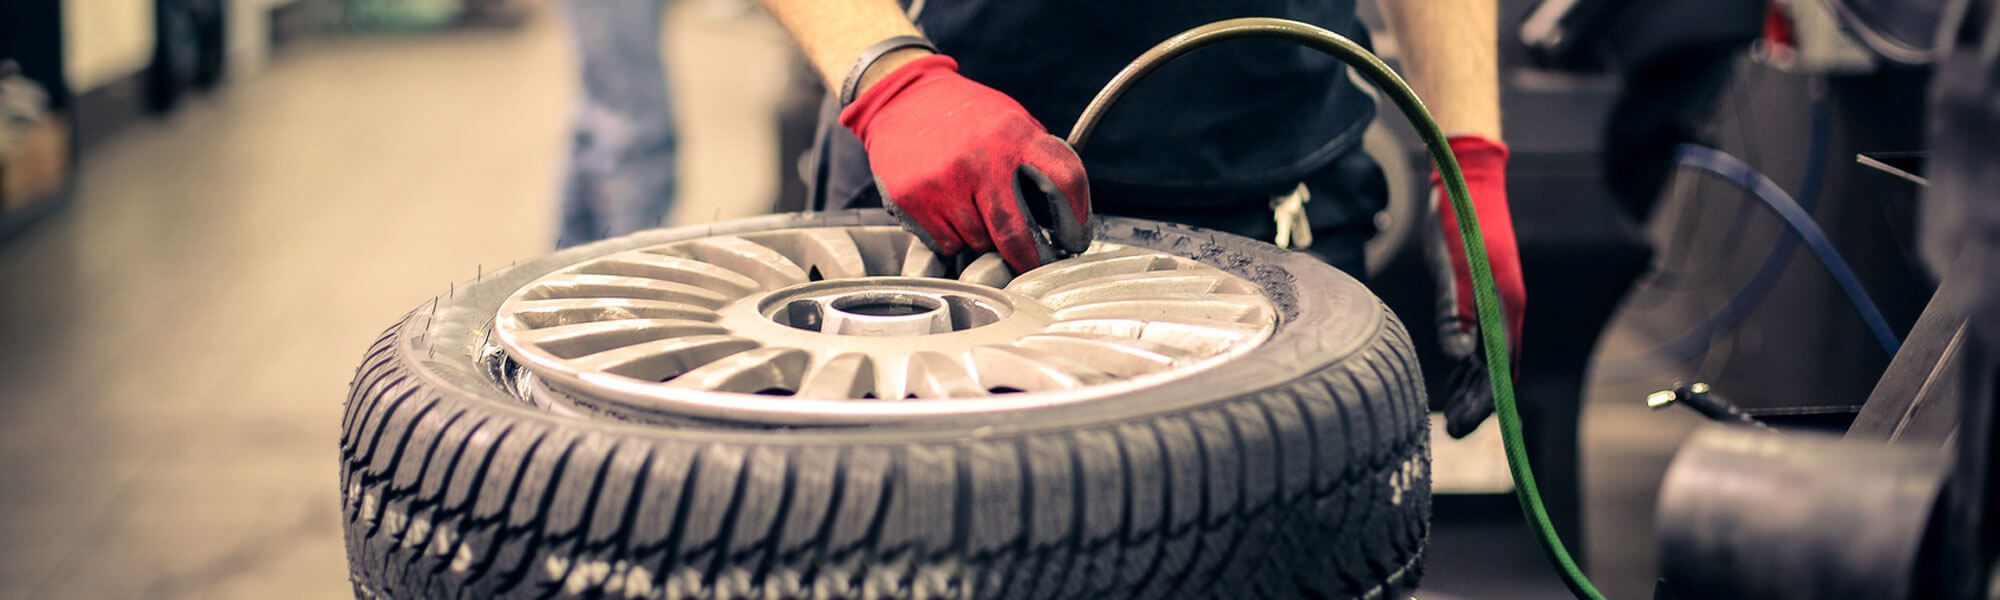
(1797, 216)
(1801, 222)
(1737, 309)
(1493, 333)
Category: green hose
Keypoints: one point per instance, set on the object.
(1493, 332)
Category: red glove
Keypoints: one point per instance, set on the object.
(952, 156)
(1484, 163)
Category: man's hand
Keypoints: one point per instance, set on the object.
(1484, 162)
(963, 161)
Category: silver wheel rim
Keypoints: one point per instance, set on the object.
(862, 324)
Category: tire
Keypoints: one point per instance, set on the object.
(1300, 469)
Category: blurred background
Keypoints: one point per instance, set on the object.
(211, 207)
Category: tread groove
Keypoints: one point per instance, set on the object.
(582, 529)
(823, 535)
(1245, 504)
(377, 393)
(361, 457)
(961, 510)
(737, 492)
(1313, 445)
(1168, 500)
(1023, 542)
(621, 536)
(378, 357)
(387, 479)
(429, 453)
(1203, 513)
(534, 527)
(1078, 502)
(890, 471)
(670, 547)
(451, 465)
(464, 514)
(773, 537)
(499, 519)
(1124, 512)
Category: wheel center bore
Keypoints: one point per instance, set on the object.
(886, 306)
(886, 314)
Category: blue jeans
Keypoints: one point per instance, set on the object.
(620, 173)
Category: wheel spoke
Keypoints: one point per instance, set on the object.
(1117, 356)
(671, 268)
(1155, 283)
(758, 261)
(571, 341)
(1201, 337)
(934, 375)
(882, 248)
(1111, 328)
(834, 252)
(844, 376)
(919, 261)
(1024, 369)
(1236, 308)
(537, 314)
(988, 270)
(611, 286)
(1114, 261)
(660, 360)
(763, 370)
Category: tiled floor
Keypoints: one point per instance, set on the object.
(174, 346)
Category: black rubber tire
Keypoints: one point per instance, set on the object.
(1301, 469)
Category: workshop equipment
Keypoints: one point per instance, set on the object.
(1903, 505)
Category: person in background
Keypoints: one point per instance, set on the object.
(620, 173)
(939, 107)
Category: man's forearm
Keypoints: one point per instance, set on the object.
(832, 33)
(1450, 55)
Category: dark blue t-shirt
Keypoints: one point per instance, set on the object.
(1239, 115)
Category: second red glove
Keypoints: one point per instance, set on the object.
(1484, 163)
(949, 154)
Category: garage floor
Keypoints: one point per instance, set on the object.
(175, 344)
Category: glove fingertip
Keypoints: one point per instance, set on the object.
(1463, 424)
(1051, 213)
(1464, 414)
(1470, 401)
(1013, 235)
(1064, 169)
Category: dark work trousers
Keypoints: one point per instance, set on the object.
(1345, 196)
